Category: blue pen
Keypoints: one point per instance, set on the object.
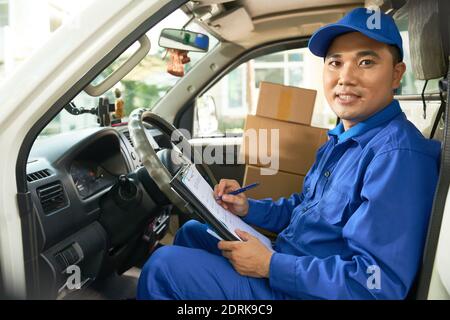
(243, 189)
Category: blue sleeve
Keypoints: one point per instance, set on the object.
(276, 215)
(385, 235)
(272, 215)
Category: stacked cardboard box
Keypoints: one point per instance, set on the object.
(288, 110)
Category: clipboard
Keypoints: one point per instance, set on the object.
(197, 209)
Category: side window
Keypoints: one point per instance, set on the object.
(222, 109)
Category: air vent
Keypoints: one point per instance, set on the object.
(52, 197)
(127, 135)
(38, 175)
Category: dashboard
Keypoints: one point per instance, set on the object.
(72, 179)
(90, 177)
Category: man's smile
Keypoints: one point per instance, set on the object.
(347, 98)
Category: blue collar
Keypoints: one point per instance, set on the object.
(387, 113)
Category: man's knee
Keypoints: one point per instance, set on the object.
(189, 232)
(160, 260)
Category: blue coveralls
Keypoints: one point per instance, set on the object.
(356, 231)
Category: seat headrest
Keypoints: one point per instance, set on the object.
(428, 28)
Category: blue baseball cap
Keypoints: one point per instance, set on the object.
(376, 25)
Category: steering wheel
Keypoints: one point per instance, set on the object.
(159, 172)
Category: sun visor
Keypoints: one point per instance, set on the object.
(234, 25)
(428, 38)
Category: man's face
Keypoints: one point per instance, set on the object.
(359, 77)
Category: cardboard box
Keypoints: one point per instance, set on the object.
(297, 144)
(286, 103)
(281, 184)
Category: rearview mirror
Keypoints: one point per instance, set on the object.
(183, 40)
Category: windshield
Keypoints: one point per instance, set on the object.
(143, 87)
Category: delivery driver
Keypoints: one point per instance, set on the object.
(357, 229)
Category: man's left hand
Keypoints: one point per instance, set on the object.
(249, 257)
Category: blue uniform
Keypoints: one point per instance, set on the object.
(356, 231)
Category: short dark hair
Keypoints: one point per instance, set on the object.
(395, 52)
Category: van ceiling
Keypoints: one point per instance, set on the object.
(252, 22)
(258, 8)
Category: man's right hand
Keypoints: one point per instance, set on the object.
(237, 204)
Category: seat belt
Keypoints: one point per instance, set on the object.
(437, 211)
(443, 84)
(440, 197)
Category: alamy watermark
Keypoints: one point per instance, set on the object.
(374, 279)
(259, 147)
(374, 20)
(73, 281)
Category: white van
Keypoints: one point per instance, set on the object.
(87, 125)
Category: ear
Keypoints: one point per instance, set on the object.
(399, 71)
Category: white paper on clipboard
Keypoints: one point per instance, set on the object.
(194, 181)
